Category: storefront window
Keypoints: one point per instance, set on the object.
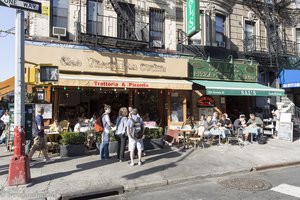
(147, 103)
(176, 107)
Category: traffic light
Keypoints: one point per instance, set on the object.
(30, 75)
(48, 73)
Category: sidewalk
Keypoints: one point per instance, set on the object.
(161, 167)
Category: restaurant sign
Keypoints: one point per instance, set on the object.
(205, 101)
(193, 22)
(120, 84)
(237, 92)
(220, 70)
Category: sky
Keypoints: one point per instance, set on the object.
(7, 44)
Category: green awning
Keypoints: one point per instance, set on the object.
(226, 88)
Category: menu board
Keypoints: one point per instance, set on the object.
(285, 131)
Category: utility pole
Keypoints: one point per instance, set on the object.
(19, 172)
(19, 106)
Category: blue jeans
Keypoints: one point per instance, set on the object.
(104, 152)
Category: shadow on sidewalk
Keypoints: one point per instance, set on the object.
(4, 169)
(159, 168)
(79, 168)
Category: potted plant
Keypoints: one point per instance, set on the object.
(153, 138)
(72, 144)
(113, 144)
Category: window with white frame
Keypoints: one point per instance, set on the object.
(157, 24)
(220, 30)
(60, 13)
(298, 40)
(94, 18)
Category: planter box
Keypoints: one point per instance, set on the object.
(113, 147)
(153, 143)
(72, 150)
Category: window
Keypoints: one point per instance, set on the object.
(94, 19)
(126, 30)
(249, 29)
(60, 13)
(249, 33)
(298, 40)
(179, 14)
(298, 4)
(220, 29)
(157, 24)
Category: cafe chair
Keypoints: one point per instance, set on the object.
(197, 137)
(64, 125)
(237, 136)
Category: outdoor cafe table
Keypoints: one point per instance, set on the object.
(186, 133)
(219, 132)
(252, 130)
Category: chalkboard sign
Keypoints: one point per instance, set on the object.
(285, 131)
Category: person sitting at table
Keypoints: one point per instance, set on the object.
(55, 127)
(224, 125)
(208, 125)
(239, 125)
(255, 122)
(77, 125)
(225, 121)
(215, 118)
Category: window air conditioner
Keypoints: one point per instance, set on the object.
(221, 44)
(59, 31)
(157, 43)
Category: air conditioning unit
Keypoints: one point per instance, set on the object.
(59, 31)
(221, 44)
(157, 43)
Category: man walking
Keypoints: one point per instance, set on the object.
(39, 141)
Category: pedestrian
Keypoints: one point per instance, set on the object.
(5, 127)
(138, 115)
(120, 133)
(39, 143)
(135, 129)
(105, 137)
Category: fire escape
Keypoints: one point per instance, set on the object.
(274, 50)
(131, 41)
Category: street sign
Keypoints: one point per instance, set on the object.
(31, 6)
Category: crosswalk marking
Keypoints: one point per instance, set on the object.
(288, 189)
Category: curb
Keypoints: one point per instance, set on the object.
(176, 180)
(273, 166)
(94, 193)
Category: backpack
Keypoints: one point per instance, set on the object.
(138, 128)
(261, 139)
(98, 125)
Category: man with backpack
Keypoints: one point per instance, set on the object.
(135, 131)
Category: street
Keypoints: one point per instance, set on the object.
(212, 189)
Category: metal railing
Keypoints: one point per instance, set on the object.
(108, 26)
(260, 44)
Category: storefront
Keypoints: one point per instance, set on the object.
(290, 82)
(232, 86)
(87, 79)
